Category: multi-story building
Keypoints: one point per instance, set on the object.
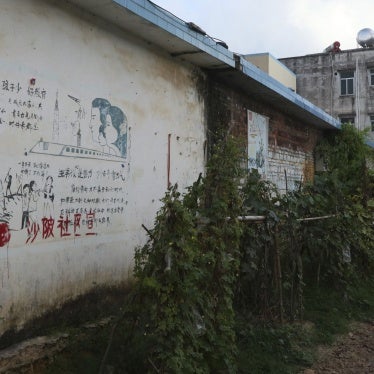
(339, 82)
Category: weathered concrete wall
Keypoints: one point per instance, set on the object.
(94, 124)
(289, 143)
(318, 80)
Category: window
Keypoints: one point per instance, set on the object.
(346, 82)
(372, 122)
(347, 120)
(371, 77)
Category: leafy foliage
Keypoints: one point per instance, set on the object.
(323, 231)
(187, 271)
(256, 287)
(202, 267)
(345, 155)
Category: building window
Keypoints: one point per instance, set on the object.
(371, 77)
(346, 83)
(372, 122)
(350, 120)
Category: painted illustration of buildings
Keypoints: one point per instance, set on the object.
(93, 133)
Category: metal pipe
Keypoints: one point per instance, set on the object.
(168, 162)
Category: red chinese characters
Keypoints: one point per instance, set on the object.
(4, 233)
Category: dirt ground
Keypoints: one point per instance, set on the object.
(351, 354)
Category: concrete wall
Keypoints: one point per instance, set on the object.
(318, 80)
(94, 124)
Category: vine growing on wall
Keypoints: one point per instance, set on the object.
(344, 189)
(256, 288)
(323, 232)
(188, 269)
(202, 265)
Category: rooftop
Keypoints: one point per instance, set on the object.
(186, 41)
(327, 53)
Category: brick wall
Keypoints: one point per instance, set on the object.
(291, 142)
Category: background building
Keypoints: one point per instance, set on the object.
(339, 82)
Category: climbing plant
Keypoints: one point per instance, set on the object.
(345, 242)
(322, 232)
(257, 285)
(187, 271)
(204, 261)
(345, 155)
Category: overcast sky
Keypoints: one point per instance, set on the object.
(284, 28)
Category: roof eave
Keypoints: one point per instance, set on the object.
(161, 28)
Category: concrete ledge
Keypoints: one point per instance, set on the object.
(19, 357)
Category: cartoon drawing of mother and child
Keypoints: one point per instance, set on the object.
(107, 139)
(108, 126)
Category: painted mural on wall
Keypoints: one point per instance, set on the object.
(257, 142)
(65, 163)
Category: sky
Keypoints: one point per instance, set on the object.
(284, 28)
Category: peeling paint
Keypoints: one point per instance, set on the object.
(85, 112)
(290, 143)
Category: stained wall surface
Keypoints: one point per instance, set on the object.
(319, 81)
(279, 147)
(94, 124)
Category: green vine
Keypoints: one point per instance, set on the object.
(188, 269)
(324, 231)
(202, 265)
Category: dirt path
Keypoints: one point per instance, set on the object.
(352, 354)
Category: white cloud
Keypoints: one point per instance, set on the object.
(283, 28)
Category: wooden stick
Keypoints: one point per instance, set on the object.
(315, 218)
(278, 273)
